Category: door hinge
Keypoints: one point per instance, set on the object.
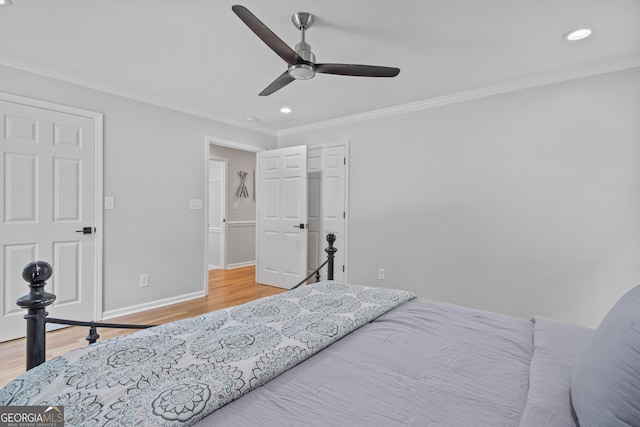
(343, 268)
(344, 214)
(345, 161)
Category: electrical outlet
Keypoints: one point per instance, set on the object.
(381, 274)
(144, 280)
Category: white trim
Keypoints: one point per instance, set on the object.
(239, 224)
(232, 144)
(133, 309)
(469, 95)
(32, 102)
(78, 81)
(98, 119)
(205, 224)
(338, 143)
(555, 77)
(346, 209)
(99, 174)
(240, 264)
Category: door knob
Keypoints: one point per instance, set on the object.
(301, 226)
(86, 230)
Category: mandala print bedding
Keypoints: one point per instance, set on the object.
(178, 373)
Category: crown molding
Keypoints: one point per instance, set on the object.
(110, 90)
(542, 80)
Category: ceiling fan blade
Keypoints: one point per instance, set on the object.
(282, 80)
(266, 35)
(357, 70)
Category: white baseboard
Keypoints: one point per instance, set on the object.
(240, 264)
(148, 306)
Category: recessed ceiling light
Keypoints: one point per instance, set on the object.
(579, 34)
(5, 2)
(285, 110)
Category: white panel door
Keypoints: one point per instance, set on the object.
(48, 184)
(282, 217)
(327, 206)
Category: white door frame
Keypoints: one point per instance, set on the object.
(223, 197)
(99, 175)
(209, 141)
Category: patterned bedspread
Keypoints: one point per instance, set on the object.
(178, 373)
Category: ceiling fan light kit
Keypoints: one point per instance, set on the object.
(301, 62)
(302, 71)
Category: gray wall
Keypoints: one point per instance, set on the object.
(154, 162)
(526, 203)
(241, 229)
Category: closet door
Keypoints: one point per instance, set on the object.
(327, 207)
(48, 210)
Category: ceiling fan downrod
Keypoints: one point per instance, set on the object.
(303, 21)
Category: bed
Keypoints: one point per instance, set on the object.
(334, 354)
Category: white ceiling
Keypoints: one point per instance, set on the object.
(197, 56)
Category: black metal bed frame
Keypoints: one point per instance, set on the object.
(37, 273)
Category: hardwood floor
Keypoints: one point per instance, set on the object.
(226, 288)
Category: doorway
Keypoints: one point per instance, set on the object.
(322, 184)
(230, 244)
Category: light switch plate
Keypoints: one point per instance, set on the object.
(196, 204)
(109, 203)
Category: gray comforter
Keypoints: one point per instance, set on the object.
(425, 364)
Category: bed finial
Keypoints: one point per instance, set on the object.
(36, 273)
(330, 253)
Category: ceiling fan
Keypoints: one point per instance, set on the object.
(301, 61)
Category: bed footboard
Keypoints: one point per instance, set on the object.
(37, 273)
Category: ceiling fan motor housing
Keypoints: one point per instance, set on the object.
(303, 71)
(304, 50)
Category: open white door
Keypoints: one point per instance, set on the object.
(49, 208)
(327, 207)
(282, 217)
